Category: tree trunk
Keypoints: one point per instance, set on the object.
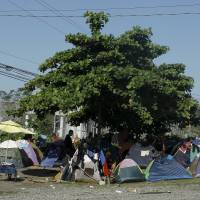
(99, 125)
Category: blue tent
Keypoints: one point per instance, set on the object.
(52, 154)
(142, 155)
(166, 168)
(183, 158)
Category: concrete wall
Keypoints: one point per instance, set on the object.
(62, 127)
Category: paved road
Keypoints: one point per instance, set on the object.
(28, 190)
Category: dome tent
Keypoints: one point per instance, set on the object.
(13, 156)
(13, 152)
(142, 155)
(128, 171)
(166, 168)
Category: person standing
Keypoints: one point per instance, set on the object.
(68, 145)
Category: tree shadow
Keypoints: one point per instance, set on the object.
(40, 172)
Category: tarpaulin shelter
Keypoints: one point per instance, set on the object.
(166, 168)
(52, 154)
(89, 171)
(81, 169)
(128, 171)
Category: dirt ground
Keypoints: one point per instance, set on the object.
(44, 189)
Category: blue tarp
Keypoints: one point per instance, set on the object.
(102, 158)
(8, 169)
(52, 155)
(167, 168)
(50, 159)
(48, 162)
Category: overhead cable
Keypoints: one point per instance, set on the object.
(12, 76)
(16, 73)
(39, 19)
(110, 8)
(17, 57)
(15, 69)
(55, 11)
(115, 15)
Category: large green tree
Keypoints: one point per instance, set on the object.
(113, 81)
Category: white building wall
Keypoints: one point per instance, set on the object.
(79, 131)
(62, 127)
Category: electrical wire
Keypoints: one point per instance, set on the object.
(16, 73)
(156, 14)
(17, 57)
(117, 15)
(55, 11)
(12, 76)
(15, 69)
(111, 8)
(39, 19)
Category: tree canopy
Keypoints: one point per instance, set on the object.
(114, 81)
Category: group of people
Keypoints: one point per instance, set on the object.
(60, 151)
(64, 149)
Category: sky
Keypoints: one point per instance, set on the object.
(26, 42)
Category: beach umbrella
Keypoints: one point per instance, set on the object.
(13, 127)
(8, 144)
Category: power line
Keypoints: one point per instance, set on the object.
(55, 11)
(156, 14)
(39, 19)
(111, 8)
(116, 15)
(16, 73)
(15, 69)
(50, 8)
(17, 57)
(12, 76)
